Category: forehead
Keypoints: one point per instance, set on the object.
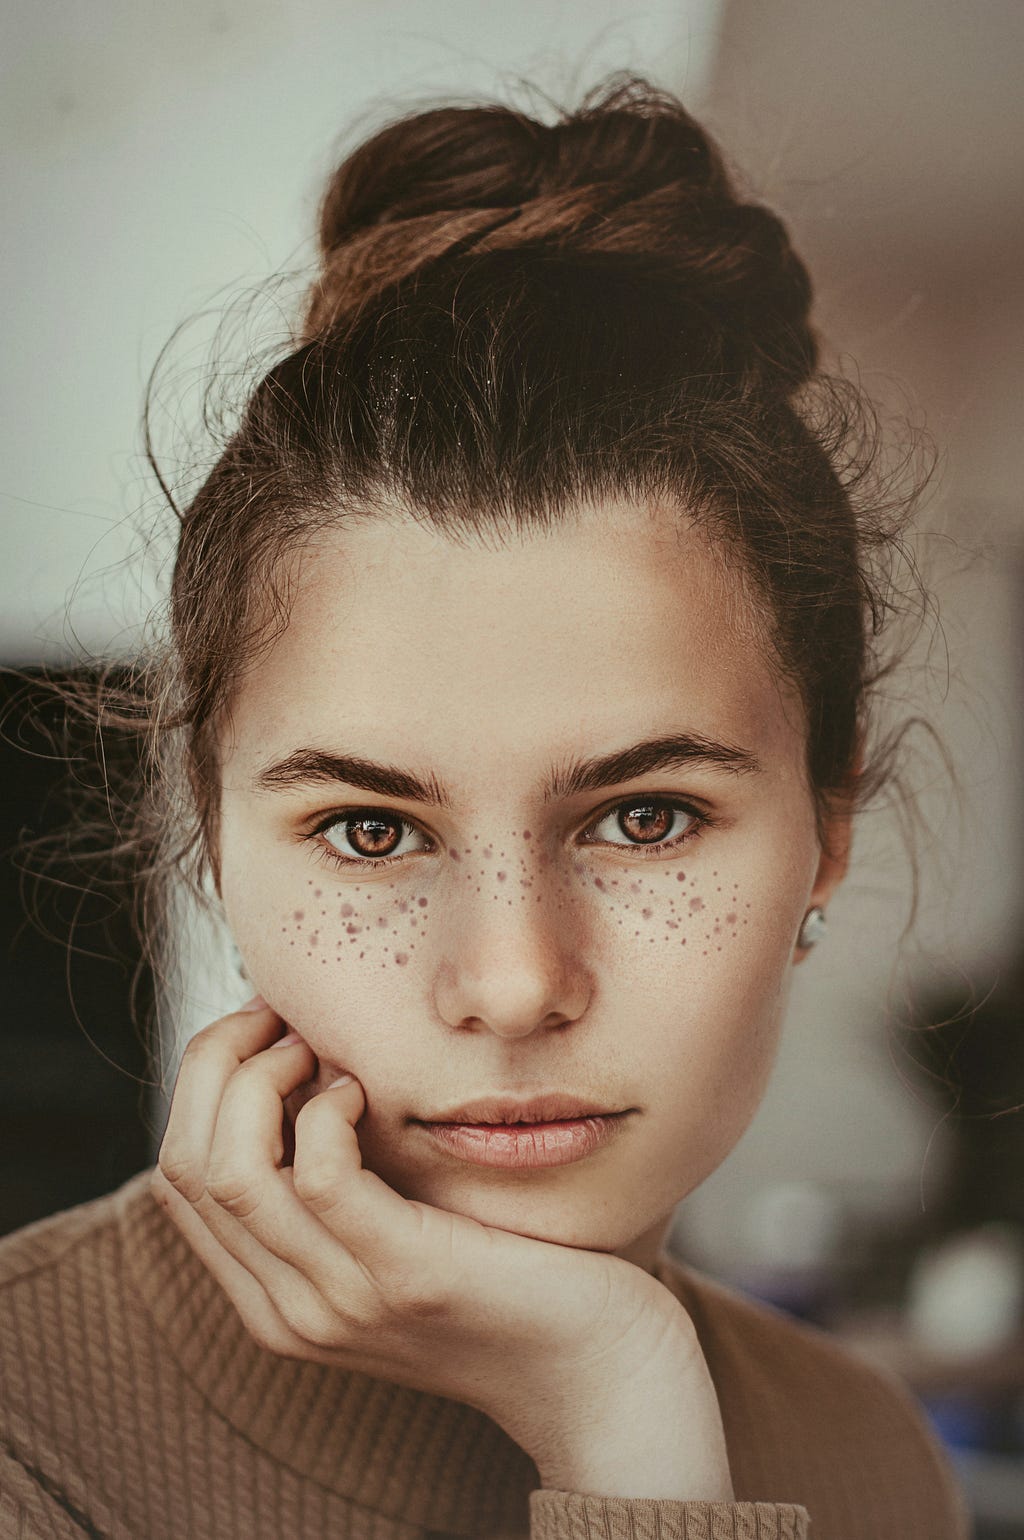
(616, 618)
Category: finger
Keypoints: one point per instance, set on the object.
(372, 1221)
(209, 1060)
(250, 1203)
(247, 1144)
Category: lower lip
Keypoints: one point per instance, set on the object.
(529, 1145)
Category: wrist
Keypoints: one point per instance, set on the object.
(653, 1429)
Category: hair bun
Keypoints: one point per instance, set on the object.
(629, 177)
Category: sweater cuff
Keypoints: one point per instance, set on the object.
(556, 1515)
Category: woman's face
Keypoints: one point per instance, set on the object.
(518, 939)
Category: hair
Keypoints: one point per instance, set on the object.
(513, 319)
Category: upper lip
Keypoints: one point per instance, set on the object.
(546, 1107)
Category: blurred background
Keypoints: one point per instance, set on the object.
(158, 162)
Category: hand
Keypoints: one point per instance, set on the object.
(324, 1261)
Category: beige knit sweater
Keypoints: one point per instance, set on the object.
(134, 1405)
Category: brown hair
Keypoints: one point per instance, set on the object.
(511, 318)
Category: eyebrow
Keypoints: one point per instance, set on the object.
(312, 766)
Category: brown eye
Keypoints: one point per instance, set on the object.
(369, 834)
(649, 824)
(647, 821)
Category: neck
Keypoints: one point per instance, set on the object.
(643, 1251)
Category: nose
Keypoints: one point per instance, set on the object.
(512, 968)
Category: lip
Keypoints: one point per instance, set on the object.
(541, 1107)
(534, 1145)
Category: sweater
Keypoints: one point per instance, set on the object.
(135, 1405)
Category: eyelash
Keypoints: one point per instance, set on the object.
(328, 852)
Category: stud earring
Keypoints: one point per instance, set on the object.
(814, 928)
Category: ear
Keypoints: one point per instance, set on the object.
(834, 858)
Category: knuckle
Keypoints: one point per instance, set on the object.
(421, 1295)
(235, 1192)
(316, 1186)
(201, 1045)
(182, 1173)
(311, 1319)
(355, 1313)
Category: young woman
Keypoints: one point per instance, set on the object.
(515, 708)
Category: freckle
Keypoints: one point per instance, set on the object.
(318, 893)
(362, 954)
(730, 919)
(672, 924)
(382, 919)
(422, 903)
(527, 835)
(346, 910)
(696, 903)
(646, 913)
(353, 930)
(502, 876)
(599, 883)
(401, 958)
(454, 853)
(300, 914)
(403, 907)
(488, 853)
(680, 876)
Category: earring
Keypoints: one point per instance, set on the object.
(814, 928)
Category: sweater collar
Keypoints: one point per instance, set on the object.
(403, 1453)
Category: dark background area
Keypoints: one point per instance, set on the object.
(72, 1110)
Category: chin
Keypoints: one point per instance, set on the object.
(528, 1210)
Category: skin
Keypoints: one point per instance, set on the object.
(513, 944)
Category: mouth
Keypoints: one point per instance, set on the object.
(528, 1142)
(505, 1110)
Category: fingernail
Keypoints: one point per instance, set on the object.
(341, 1080)
(286, 1042)
(257, 1003)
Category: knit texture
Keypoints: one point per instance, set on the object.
(134, 1405)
